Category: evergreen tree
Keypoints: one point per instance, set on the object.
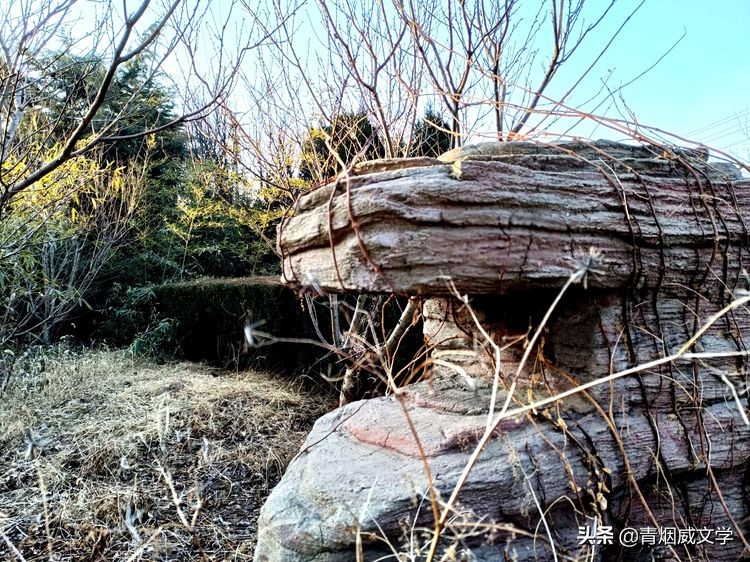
(431, 135)
(346, 136)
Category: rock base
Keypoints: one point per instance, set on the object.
(359, 482)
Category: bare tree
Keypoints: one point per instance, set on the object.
(486, 64)
(66, 200)
(484, 57)
(373, 48)
(168, 37)
(53, 267)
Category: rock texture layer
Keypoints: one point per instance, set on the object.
(515, 221)
(656, 435)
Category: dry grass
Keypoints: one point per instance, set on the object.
(107, 458)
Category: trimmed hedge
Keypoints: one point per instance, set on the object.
(209, 316)
(203, 320)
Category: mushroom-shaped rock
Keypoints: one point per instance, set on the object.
(621, 435)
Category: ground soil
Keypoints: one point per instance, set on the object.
(107, 457)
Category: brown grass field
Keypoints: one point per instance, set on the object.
(105, 457)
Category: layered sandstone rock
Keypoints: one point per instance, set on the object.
(507, 225)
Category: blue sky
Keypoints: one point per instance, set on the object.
(699, 90)
(703, 83)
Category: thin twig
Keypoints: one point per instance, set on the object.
(12, 547)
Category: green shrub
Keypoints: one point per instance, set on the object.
(209, 315)
(203, 320)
